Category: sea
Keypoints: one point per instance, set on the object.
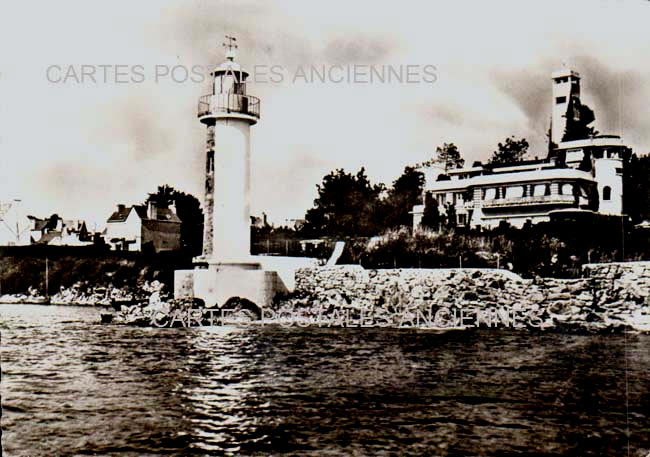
(71, 386)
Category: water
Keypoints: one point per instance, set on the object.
(73, 388)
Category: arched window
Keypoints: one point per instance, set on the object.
(607, 193)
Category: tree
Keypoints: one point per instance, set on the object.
(188, 210)
(449, 156)
(450, 212)
(511, 151)
(405, 193)
(164, 196)
(431, 217)
(578, 118)
(347, 205)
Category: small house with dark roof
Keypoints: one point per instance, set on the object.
(138, 227)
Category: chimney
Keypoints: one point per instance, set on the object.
(120, 208)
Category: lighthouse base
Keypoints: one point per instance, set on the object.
(219, 282)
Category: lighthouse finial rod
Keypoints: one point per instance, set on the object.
(230, 46)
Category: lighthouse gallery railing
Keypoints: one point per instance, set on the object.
(229, 103)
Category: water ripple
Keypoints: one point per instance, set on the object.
(72, 388)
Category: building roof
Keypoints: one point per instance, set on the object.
(229, 66)
(163, 214)
(121, 214)
(601, 140)
(509, 178)
(165, 226)
(166, 214)
(563, 72)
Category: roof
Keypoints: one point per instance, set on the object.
(602, 140)
(161, 226)
(508, 178)
(228, 66)
(163, 214)
(166, 214)
(120, 215)
(563, 72)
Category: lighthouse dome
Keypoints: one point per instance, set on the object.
(229, 66)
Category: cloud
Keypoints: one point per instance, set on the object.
(84, 148)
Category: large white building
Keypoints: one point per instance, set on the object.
(580, 176)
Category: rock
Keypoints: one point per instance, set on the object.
(558, 296)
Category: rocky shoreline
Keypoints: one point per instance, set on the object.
(608, 298)
(83, 294)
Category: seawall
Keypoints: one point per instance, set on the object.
(608, 296)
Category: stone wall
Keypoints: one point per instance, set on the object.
(609, 295)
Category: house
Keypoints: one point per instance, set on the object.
(578, 177)
(134, 228)
(58, 232)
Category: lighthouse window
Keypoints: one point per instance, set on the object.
(560, 100)
(607, 193)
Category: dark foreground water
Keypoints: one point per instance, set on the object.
(73, 388)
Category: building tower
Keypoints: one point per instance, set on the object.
(228, 112)
(566, 86)
(226, 268)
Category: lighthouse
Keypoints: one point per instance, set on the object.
(228, 113)
(226, 269)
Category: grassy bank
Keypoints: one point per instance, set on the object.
(548, 249)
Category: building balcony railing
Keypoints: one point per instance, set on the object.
(526, 201)
(216, 104)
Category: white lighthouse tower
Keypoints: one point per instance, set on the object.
(226, 268)
(228, 112)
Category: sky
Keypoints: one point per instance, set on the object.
(77, 147)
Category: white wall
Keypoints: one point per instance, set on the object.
(231, 217)
(606, 176)
(131, 229)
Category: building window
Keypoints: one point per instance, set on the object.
(547, 190)
(462, 219)
(560, 100)
(607, 193)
